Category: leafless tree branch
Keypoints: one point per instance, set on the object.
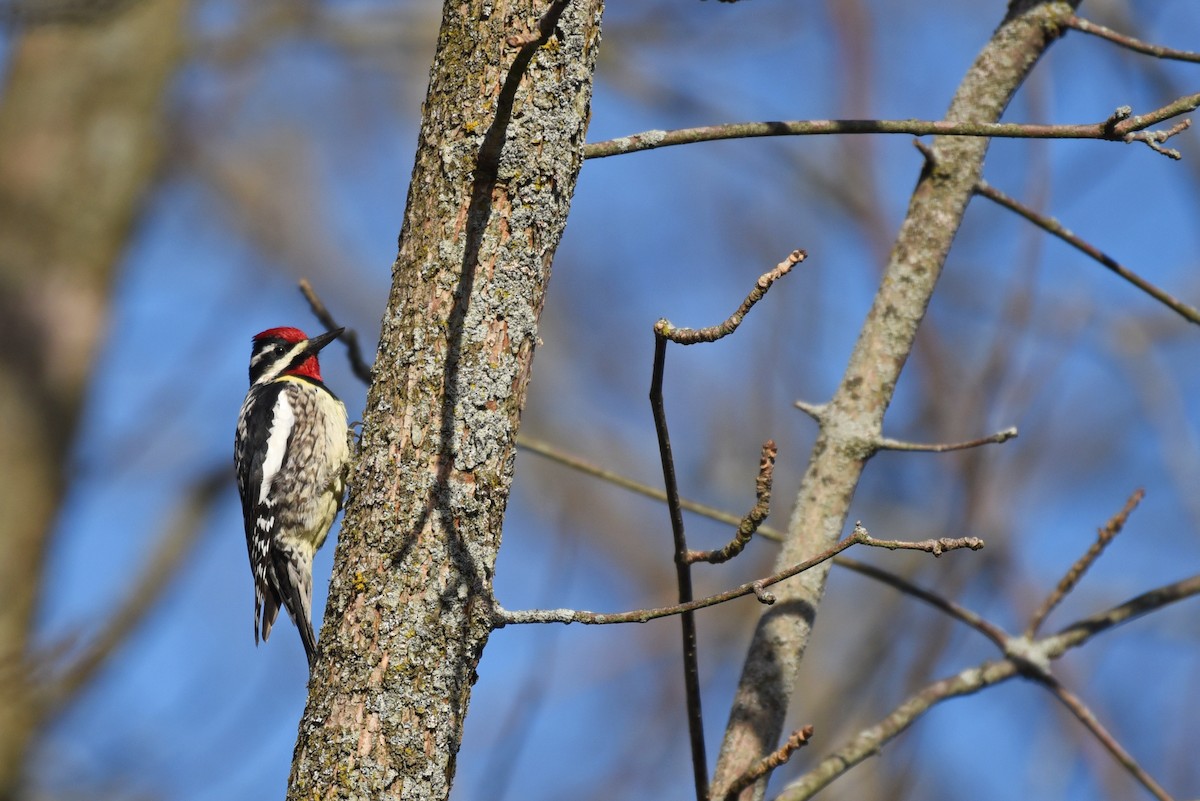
(1103, 537)
(503, 617)
(956, 611)
(693, 336)
(770, 762)
(358, 364)
(1085, 716)
(1053, 226)
(1136, 45)
(683, 571)
(1108, 130)
(1029, 657)
(886, 444)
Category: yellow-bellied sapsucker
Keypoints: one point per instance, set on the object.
(291, 454)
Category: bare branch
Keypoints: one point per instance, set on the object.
(1103, 537)
(934, 546)
(753, 519)
(692, 336)
(1081, 711)
(1053, 226)
(1136, 45)
(898, 445)
(650, 140)
(361, 369)
(683, 571)
(954, 610)
(764, 767)
(1083, 630)
(503, 617)
(1154, 138)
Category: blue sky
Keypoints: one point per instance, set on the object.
(190, 710)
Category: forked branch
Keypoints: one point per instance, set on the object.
(1103, 537)
(1023, 656)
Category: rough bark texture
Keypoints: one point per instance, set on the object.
(80, 133)
(854, 417)
(409, 608)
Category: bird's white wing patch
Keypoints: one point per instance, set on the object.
(282, 420)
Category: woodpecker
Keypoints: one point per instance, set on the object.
(291, 455)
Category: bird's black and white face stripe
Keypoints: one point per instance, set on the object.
(271, 357)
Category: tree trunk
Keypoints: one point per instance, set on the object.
(409, 607)
(80, 139)
(852, 422)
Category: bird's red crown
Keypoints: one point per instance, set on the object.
(290, 335)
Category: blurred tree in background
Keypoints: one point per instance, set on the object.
(169, 170)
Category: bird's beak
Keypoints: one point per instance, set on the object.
(315, 344)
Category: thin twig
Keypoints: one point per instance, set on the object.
(1084, 715)
(692, 336)
(683, 573)
(361, 369)
(1083, 630)
(936, 546)
(799, 739)
(753, 519)
(898, 445)
(984, 627)
(1136, 45)
(503, 617)
(814, 410)
(650, 140)
(1154, 138)
(1103, 537)
(1053, 226)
